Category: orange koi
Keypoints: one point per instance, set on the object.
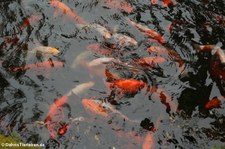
(51, 115)
(41, 65)
(166, 3)
(214, 103)
(162, 51)
(29, 21)
(58, 103)
(98, 49)
(95, 107)
(149, 138)
(129, 85)
(111, 75)
(124, 6)
(64, 9)
(63, 129)
(154, 2)
(150, 61)
(148, 141)
(147, 31)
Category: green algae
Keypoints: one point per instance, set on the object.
(13, 142)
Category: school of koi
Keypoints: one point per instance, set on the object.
(107, 62)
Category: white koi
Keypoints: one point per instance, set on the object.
(100, 61)
(81, 88)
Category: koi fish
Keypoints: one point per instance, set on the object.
(46, 50)
(123, 40)
(150, 61)
(112, 76)
(165, 99)
(166, 52)
(64, 9)
(116, 4)
(39, 66)
(102, 60)
(214, 103)
(166, 3)
(216, 70)
(148, 141)
(51, 115)
(148, 32)
(102, 108)
(63, 129)
(30, 21)
(220, 19)
(81, 88)
(95, 107)
(81, 59)
(58, 103)
(213, 49)
(154, 2)
(100, 29)
(43, 53)
(11, 40)
(98, 49)
(129, 85)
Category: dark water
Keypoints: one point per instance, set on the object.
(27, 95)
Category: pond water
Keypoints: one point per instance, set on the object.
(127, 73)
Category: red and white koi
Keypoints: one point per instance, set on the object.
(123, 40)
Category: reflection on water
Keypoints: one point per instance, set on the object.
(118, 74)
